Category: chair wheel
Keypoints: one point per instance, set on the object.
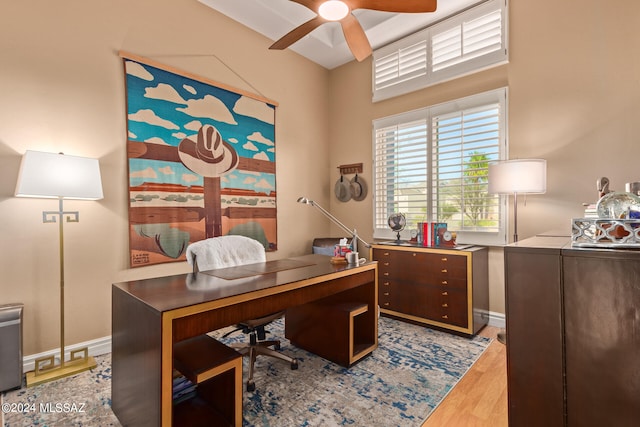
(251, 386)
(294, 365)
(276, 346)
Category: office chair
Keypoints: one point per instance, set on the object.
(230, 251)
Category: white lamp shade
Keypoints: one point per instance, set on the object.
(518, 176)
(50, 175)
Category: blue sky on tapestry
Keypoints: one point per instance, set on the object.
(164, 108)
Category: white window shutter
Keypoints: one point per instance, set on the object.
(432, 164)
(467, 37)
(400, 167)
(401, 65)
(470, 41)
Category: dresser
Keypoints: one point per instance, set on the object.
(440, 287)
(573, 334)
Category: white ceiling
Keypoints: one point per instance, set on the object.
(326, 45)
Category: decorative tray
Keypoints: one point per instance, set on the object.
(605, 233)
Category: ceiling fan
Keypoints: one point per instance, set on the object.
(340, 10)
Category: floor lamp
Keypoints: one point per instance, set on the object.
(522, 176)
(353, 233)
(57, 176)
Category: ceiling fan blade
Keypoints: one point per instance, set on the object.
(310, 4)
(398, 6)
(356, 37)
(297, 33)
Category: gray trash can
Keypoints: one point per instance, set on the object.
(10, 346)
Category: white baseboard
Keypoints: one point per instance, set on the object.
(497, 319)
(96, 348)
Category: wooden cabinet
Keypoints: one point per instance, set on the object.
(446, 288)
(602, 337)
(534, 332)
(572, 334)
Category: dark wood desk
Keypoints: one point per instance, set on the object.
(150, 316)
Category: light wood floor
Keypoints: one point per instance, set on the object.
(480, 398)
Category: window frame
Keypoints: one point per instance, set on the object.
(425, 76)
(499, 96)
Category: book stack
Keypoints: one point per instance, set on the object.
(431, 232)
(183, 389)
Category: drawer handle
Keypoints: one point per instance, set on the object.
(444, 270)
(385, 274)
(445, 316)
(386, 283)
(386, 253)
(444, 282)
(445, 293)
(386, 294)
(414, 254)
(444, 259)
(445, 305)
(385, 264)
(386, 304)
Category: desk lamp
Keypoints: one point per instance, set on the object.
(56, 176)
(524, 176)
(353, 233)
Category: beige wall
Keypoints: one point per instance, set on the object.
(62, 89)
(574, 99)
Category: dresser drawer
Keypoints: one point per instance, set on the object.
(406, 297)
(445, 266)
(428, 302)
(387, 291)
(447, 280)
(419, 266)
(450, 307)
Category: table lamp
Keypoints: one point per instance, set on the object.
(57, 176)
(522, 176)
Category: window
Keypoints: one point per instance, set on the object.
(432, 165)
(404, 64)
(470, 41)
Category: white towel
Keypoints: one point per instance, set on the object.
(225, 251)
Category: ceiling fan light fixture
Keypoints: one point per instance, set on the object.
(333, 10)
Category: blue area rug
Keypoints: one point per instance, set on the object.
(400, 384)
(81, 400)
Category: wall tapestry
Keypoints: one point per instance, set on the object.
(201, 162)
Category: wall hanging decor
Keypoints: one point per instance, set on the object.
(353, 189)
(201, 162)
